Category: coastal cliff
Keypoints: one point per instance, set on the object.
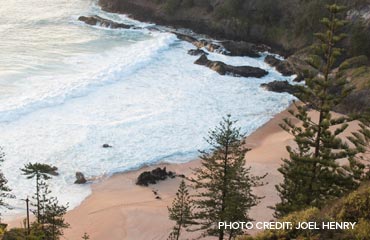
(285, 25)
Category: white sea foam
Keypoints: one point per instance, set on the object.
(138, 91)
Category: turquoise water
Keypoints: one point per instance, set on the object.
(66, 88)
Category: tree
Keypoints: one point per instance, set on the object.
(223, 184)
(4, 189)
(361, 140)
(53, 216)
(180, 211)
(41, 172)
(312, 174)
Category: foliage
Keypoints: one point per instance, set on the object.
(360, 39)
(36, 233)
(180, 211)
(171, 6)
(223, 184)
(52, 216)
(361, 140)
(312, 174)
(4, 189)
(41, 172)
(351, 208)
(354, 62)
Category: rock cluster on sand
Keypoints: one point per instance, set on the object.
(96, 20)
(151, 177)
(223, 69)
(80, 178)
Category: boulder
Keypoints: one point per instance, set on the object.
(281, 66)
(106, 145)
(238, 71)
(96, 20)
(203, 43)
(241, 48)
(280, 87)
(196, 52)
(151, 177)
(80, 178)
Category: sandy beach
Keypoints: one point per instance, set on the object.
(118, 209)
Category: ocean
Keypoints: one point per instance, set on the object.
(67, 88)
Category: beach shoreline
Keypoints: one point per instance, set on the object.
(117, 208)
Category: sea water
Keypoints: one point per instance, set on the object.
(67, 88)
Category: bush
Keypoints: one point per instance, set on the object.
(360, 39)
(361, 231)
(355, 206)
(171, 6)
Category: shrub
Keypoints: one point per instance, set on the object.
(355, 206)
(171, 6)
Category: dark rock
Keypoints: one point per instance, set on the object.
(80, 178)
(283, 67)
(280, 87)
(241, 48)
(106, 145)
(196, 52)
(171, 174)
(151, 177)
(238, 71)
(210, 46)
(180, 175)
(158, 197)
(203, 43)
(96, 20)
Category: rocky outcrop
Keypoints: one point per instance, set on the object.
(152, 177)
(224, 69)
(196, 52)
(202, 18)
(281, 66)
(241, 48)
(80, 178)
(202, 43)
(280, 87)
(96, 20)
(230, 48)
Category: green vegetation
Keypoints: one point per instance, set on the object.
(41, 172)
(180, 212)
(285, 24)
(4, 189)
(354, 62)
(223, 184)
(312, 174)
(354, 207)
(49, 213)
